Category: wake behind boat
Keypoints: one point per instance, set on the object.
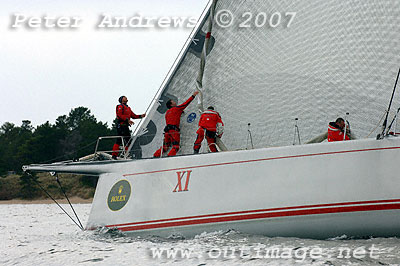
(334, 58)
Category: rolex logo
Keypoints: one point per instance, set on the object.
(119, 195)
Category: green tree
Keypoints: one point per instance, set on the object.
(29, 188)
(12, 139)
(72, 136)
(5, 145)
(77, 115)
(42, 146)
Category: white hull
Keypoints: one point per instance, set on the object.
(317, 191)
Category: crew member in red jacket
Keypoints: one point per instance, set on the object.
(173, 120)
(210, 121)
(124, 115)
(336, 130)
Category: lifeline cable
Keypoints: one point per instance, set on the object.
(37, 183)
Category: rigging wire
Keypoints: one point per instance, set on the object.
(382, 135)
(391, 124)
(45, 191)
(69, 202)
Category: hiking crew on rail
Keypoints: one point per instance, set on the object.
(124, 115)
(172, 130)
(336, 131)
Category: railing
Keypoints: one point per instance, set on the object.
(122, 152)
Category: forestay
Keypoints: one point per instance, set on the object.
(335, 57)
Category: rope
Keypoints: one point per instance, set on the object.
(379, 123)
(38, 184)
(199, 80)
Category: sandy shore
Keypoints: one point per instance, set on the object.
(74, 200)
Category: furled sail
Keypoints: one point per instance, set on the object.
(334, 57)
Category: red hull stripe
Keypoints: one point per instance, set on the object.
(346, 209)
(262, 210)
(259, 160)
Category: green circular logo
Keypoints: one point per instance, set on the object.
(119, 195)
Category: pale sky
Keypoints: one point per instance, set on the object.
(44, 73)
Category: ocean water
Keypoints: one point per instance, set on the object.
(41, 234)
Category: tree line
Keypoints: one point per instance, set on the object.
(71, 136)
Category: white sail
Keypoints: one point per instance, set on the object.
(336, 57)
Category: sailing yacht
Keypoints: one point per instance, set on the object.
(276, 67)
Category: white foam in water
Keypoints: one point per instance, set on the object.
(43, 235)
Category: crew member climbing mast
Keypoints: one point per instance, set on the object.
(173, 120)
(124, 115)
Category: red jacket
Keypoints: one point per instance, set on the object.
(335, 133)
(124, 113)
(173, 115)
(209, 120)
